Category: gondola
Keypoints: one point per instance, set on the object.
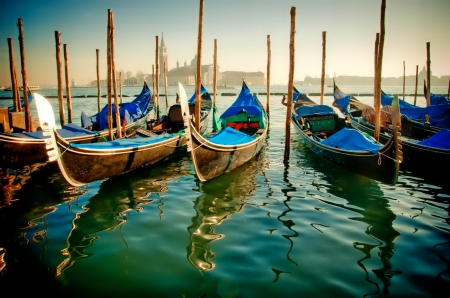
(331, 137)
(428, 151)
(20, 149)
(241, 136)
(84, 163)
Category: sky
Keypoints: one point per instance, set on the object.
(240, 27)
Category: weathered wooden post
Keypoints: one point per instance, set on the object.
(165, 87)
(59, 74)
(120, 82)
(199, 69)
(403, 80)
(268, 76)
(417, 81)
(69, 100)
(157, 79)
(379, 72)
(375, 77)
(215, 73)
(448, 92)
(114, 79)
(24, 79)
(428, 74)
(287, 145)
(99, 83)
(14, 85)
(322, 81)
(108, 56)
(153, 81)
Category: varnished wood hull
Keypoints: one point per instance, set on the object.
(212, 160)
(19, 151)
(80, 166)
(381, 167)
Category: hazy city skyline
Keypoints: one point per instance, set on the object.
(241, 29)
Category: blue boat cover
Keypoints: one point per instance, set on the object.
(246, 102)
(439, 140)
(203, 94)
(230, 136)
(352, 139)
(415, 112)
(130, 111)
(67, 131)
(123, 143)
(22, 102)
(318, 110)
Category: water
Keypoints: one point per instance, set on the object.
(268, 229)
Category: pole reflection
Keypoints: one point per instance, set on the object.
(365, 198)
(220, 198)
(110, 207)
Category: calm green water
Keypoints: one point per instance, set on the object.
(269, 229)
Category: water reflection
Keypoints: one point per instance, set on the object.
(219, 200)
(365, 198)
(110, 207)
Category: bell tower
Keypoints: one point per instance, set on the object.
(163, 56)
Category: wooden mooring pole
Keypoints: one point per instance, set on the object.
(403, 80)
(268, 77)
(99, 83)
(165, 87)
(108, 75)
(114, 80)
(68, 96)
(120, 82)
(428, 74)
(157, 73)
(199, 68)
(379, 71)
(417, 82)
(59, 74)
(322, 81)
(24, 78)
(14, 85)
(287, 144)
(215, 72)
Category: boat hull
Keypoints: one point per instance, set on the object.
(212, 160)
(19, 151)
(80, 166)
(381, 167)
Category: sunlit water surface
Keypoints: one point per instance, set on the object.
(304, 228)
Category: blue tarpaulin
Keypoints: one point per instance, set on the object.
(230, 136)
(130, 112)
(352, 139)
(246, 101)
(318, 110)
(439, 140)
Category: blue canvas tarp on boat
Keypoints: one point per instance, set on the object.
(352, 139)
(129, 112)
(203, 94)
(318, 110)
(230, 136)
(439, 140)
(246, 104)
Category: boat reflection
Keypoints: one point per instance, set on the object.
(219, 200)
(109, 208)
(367, 200)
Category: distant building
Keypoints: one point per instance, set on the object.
(186, 74)
(236, 77)
(385, 81)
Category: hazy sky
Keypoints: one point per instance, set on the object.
(240, 27)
